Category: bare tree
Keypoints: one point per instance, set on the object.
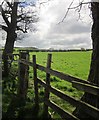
(93, 76)
(17, 17)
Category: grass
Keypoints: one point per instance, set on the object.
(73, 63)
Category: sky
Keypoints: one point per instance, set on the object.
(72, 33)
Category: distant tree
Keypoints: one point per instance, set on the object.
(17, 16)
(83, 49)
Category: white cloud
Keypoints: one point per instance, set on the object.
(69, 34)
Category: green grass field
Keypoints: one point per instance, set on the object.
(73, 63)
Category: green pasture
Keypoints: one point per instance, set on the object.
(73, 63)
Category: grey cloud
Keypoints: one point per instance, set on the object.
(78, 29)
(72, 42)
(70, 28)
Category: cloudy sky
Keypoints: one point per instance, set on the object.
(69, 34)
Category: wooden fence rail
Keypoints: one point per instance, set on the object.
(91, 110)
(86, 87)
(76, 82)
(58, 74)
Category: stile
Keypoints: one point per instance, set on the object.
(78, 83)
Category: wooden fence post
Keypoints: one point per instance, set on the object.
(47, 93)
(23, 75)
(35, 81)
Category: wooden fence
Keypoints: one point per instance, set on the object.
(85, 86)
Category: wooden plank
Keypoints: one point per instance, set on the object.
(91, 110)
(86, 87)
(64, 114)
(61, 75)
(35, 80)
(26, 62)
(47, 93)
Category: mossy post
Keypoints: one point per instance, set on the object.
(23, 74)
(47, 93)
